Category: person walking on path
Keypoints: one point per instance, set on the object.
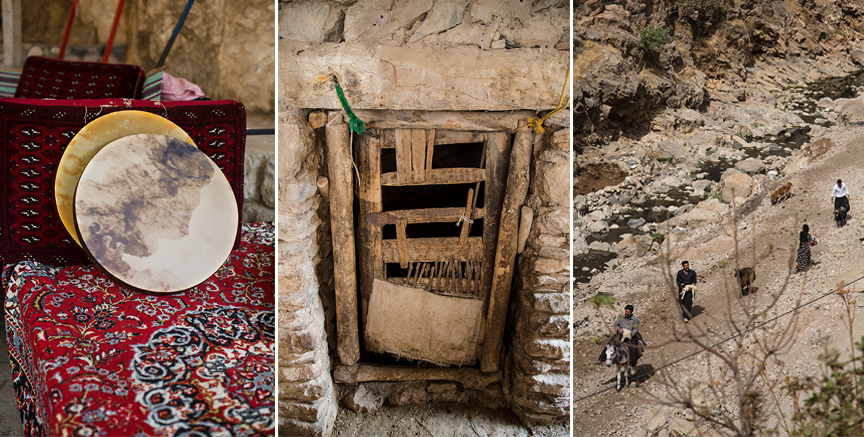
(686, 280)
(840, 195)
(803, 257)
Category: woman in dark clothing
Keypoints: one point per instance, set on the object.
(803, 258)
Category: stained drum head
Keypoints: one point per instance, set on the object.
(155, 213)
(92, 138)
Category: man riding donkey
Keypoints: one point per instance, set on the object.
(627, 327)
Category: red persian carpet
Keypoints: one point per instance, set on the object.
(90, 358)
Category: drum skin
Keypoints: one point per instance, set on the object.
(92, 138)
(155, 213)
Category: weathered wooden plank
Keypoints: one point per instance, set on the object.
(442, 136)
(459, 137)
(403, 156)
(505, 256)
(402, 244)
(342, 228)
(469, 377)
(371, 264)
(13, 54)
(430, 147)
(323, 187)
(450, 120)
(466, 217)
(525, 221)
(438, 176)
(418, 155)
(498, 147)
(433, 249)
(434, 215)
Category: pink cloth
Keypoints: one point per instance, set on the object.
(179, 89)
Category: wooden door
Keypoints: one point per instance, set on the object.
(428, 247)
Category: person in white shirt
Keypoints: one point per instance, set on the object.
(840, 195)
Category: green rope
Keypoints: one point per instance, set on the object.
(355, 124)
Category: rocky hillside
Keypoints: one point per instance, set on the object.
(621, 84)
(743, 97)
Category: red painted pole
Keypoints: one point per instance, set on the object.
(113, 31)
(67, 29)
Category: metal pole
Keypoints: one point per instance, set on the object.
(174, 34)
(67, 29)
(113, 31)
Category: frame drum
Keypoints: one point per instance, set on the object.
(155, 213)
(92, 138)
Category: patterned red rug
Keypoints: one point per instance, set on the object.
(91, 358)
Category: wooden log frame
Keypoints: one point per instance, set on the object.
(369, 251)
(432, 249)
(498, 146)
(505, 256)
(342, 227)
(505, 121)
(438, 176)
(436, 138)
(469, 377)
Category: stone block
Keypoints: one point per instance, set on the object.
(557, 303)
(552, 178)
(410, 393)
(310, 22)
(556, 384)
(443, 16)
(461, 76)
(546, 348)
(362, 401)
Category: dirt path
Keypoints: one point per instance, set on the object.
(839, 256)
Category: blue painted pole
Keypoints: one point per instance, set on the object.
(174, 34)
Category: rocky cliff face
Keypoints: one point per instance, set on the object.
(620, 84)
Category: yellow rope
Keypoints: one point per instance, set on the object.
(537, 123)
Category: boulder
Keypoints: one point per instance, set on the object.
(636, 245)
(852, 113)
(635, 222)
(750, 165)
(714, 205)
(667, 150)
(696, 218)
(737, 185)
(599, 245)
(702, 185)
(598, 227)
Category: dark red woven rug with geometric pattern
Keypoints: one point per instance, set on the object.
(33, 135)
(47, 78)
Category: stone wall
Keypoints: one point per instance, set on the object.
(307, 400)
(486, 55)
(539, 344)
(225, 47)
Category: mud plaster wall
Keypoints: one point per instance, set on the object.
(225, 47)
(421, 55)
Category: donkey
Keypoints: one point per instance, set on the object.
(617, 352)
(745, 276)
(840, 216)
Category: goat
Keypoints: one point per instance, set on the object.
(745, 276)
